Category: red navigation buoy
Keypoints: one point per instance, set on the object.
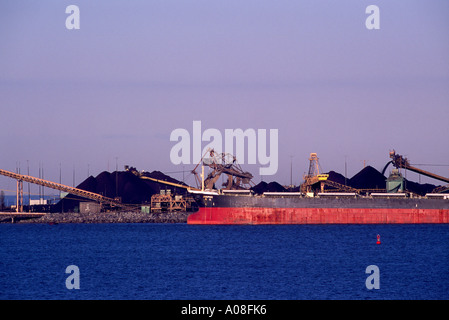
(378, 239)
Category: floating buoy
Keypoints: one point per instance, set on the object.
(378, 239)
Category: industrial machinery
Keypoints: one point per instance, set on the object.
(314, 175)
(144, 175)
(220, 163)
(399, 162)
(57, 186)
(316, 181)
(165, 201)
(395, 182)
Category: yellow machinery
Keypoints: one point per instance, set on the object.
(314, 176)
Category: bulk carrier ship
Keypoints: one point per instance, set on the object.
(288, 208)
(312, 207)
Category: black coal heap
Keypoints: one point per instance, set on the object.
(368, 178)
(130, 188)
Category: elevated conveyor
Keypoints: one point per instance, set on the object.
(57, 186)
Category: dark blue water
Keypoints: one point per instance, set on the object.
(177, 261)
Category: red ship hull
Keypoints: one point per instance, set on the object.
(251, 215)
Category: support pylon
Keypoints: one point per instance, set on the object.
(19, 196)
(314, 176)
(314, 166)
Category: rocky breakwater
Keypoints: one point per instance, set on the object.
(107, 217)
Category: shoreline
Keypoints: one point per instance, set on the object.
(102, 217)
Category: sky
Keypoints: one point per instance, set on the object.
(110, 93)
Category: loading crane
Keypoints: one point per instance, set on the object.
(222, 163)
(142, 175)
(315, 180)
(401, 162)
(314, 175)
(57, 186)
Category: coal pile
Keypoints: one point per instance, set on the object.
(130, 188)
(337, 177)
(268, 187)
(418, 188)
(368, 178)
(260, 188)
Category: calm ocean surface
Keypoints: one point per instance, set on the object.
(178, 261)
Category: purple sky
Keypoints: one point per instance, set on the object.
(131, 74)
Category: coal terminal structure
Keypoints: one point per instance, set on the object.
(131, 196)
